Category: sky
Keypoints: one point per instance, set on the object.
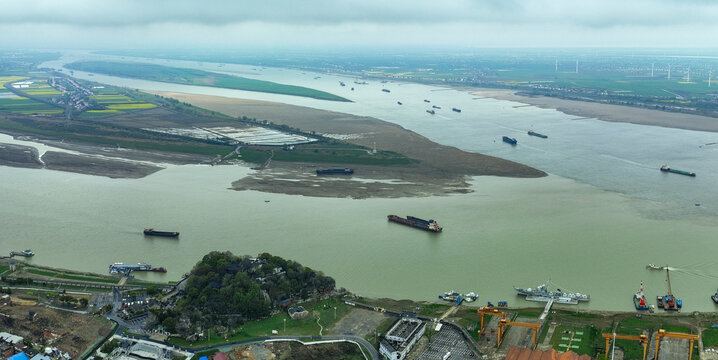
(277, 24)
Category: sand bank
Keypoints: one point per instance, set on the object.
(605, 112)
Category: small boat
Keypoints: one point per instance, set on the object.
(654, 267)
(399, 102)
(153, 232)
(426, 101)
(436, 107)
(342, 84)
(714, 297)
(456, 109)
(639, 299)
(432, 112)
(470, 296)
(386, 90)
(509, 140)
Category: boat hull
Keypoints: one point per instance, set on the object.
(152, 232)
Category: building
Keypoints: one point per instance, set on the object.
(402, 335)
(297, 313)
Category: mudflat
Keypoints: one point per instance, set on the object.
(606, 112)
(441, 170)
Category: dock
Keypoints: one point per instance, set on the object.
(546, 310)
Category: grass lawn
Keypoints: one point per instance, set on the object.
(576, 339)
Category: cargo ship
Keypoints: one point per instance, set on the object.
(386, 90)
(428, 225)
(432, 112)
(542, 293)
(665, 168)
(456, 109)
(153, 232)
(533, 133)
(509, 140)
(655, 267)
(436, 107)
(639, 299)
(345, 171)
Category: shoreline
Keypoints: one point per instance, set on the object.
(604, 112)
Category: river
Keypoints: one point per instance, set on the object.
(592, 226)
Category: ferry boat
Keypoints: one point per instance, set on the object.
(541, 293)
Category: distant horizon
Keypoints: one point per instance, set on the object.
(187, 24)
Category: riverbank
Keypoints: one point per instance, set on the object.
(441, 169)
(605, 112)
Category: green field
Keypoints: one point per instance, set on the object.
(22, 105)
(197, 77)
(578, 340)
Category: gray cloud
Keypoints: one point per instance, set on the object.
(142, 23)
(590, 13)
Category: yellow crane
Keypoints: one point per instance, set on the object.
(663, 333)
(488, 311)
(642, 338)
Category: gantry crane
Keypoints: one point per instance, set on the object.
(663, 333)
(488, 311)
(642, 338)
(502, 326)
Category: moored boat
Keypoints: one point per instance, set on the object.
(639, 299)
(541, 293)
(153, 232)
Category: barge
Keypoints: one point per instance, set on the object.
(428, 225)
(666, 168)
(345, 171)
(533, 133)
(153, 232)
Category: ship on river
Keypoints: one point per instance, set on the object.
(153, 232)
(666, 168)
(345, 171)
(542, 293)
(428, 225)
(533, 133)
(509, 140)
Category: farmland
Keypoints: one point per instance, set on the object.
(197, 77)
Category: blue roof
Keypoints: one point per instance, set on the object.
(20, 356)
(202, 358)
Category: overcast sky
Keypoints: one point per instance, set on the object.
(237, 24)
